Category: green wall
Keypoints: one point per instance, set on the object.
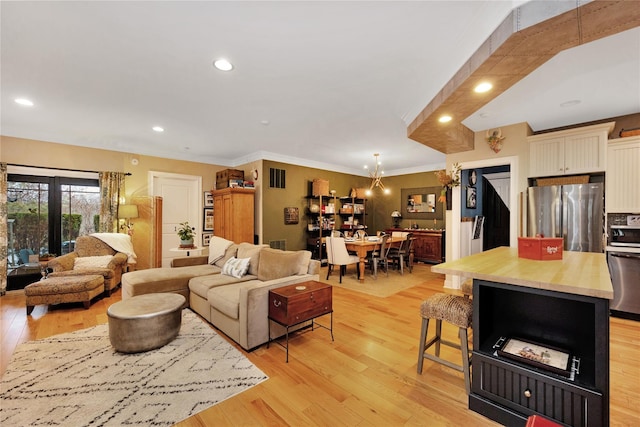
(298, 185)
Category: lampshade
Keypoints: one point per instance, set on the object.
(127, 211)
(396, 214)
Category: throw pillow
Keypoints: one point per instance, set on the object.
(230, 252)
(248, 250)
(87, 262)
(276, 264)
(236, 267)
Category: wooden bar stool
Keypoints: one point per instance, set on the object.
(456, 310)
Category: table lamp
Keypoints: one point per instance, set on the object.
(396, 215)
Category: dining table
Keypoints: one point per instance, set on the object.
(363, 246)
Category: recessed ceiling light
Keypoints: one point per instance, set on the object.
(265, 122)
(158, 128)
(444, 119)
(223, 65)
(571, 103)
(484, 115)
(24, 101)
(483, 87)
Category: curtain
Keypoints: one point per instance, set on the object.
(3, 228)
(111, 190)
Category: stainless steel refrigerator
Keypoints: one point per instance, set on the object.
(573, 212)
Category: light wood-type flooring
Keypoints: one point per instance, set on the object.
(366, 377)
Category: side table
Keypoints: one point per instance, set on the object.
(187, 250)
(294, 304)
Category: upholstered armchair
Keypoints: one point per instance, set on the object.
(91, 256)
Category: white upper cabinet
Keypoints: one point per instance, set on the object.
(569, 152)
(622, 193)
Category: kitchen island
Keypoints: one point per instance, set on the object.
(559, 305)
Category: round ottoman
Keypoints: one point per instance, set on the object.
(145, 322)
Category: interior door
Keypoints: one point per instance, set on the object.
(181, 201)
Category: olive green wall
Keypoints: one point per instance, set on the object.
(298, 185)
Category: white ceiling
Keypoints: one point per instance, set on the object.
(335, 81)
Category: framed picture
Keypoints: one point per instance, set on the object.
(207, 222)
(208, 199)
(206, 238)
(539, 355)
(291, 215)
(471, 198)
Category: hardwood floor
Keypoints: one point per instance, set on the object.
(367, 376)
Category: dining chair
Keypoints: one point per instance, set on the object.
(381, 256)
(337, 255)
(401, 253)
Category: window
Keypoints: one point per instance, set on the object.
(46, 214)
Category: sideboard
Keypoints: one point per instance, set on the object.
(428, 245)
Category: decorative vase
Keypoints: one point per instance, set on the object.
(186, 243)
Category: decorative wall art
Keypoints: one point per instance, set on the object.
(207, 201)
(471, 198)
(207, 222)
(291, 215)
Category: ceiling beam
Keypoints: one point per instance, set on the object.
(530, 36)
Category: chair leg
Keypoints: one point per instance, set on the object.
(464, 349)
(401, 261)
(329, 267)
(375, 268)
(438, 336)
(423, 342)
(342, 268)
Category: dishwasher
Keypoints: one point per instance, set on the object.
(623, 258)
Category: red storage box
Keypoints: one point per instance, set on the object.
(540, 248)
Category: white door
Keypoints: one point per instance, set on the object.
(181, 201)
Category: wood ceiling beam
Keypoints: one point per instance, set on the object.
(530, 36)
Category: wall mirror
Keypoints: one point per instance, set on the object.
(421, 203)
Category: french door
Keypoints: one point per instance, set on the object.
(46, 214)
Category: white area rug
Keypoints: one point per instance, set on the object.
(77, 379)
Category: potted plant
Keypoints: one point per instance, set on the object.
(186, 234)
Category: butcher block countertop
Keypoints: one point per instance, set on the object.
(578, 273)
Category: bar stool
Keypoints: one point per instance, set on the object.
(456, 310)
(467, 288)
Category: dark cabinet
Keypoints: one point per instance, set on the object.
(509, 391)
(428, 245)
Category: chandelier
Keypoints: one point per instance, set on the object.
(376, 176)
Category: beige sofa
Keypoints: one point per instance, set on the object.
(236, 306)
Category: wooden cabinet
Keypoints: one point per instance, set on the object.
(569, 152)
(234, 214)
(623, 167)
(428, 245)
(509, 391)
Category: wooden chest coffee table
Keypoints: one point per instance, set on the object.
(299, 303)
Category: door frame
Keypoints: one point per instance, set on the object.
(454, 230)
(194, 179)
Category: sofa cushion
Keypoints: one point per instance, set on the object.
(226, 299)
(275, 264)
(163, 279)
(231, 251)
(247, 250)
(236, 267)
(85, 262)
(200, 285)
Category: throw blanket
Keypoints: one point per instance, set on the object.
(119, 242)
(217, 247)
